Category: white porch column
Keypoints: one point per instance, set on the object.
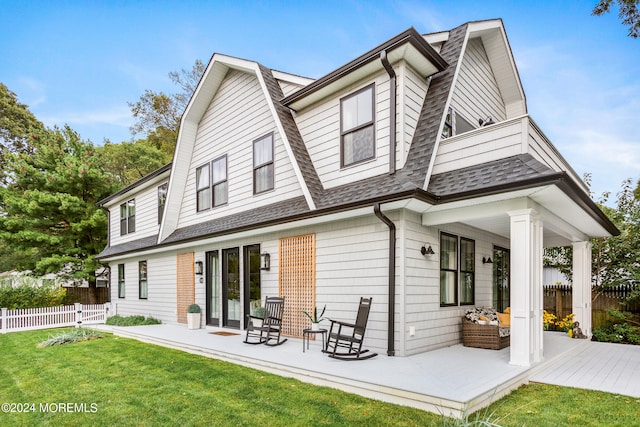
(581, 298)
(526, 287)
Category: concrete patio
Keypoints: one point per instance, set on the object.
(449, 380)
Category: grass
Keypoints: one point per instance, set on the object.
(126, 382)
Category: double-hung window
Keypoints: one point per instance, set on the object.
(128, 217)
(219, 181)
(211, 184)
(121, 281)
(162, 200)
(142, 280)
(203, 188)
(457, 270)
(357, 126)
(263, 164)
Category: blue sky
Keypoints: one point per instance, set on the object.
(80, 62)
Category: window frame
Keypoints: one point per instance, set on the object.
(359, 127)
(143, 280)
(162, 200)
(460, 271)
(121, 281)
(263, 165)
(207, 188)
(224, 181)
(128, 217)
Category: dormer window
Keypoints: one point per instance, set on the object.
(357, 126)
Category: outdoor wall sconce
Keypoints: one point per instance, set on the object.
(428, 251)
(198, 267)
(265, 261)
(487, 260)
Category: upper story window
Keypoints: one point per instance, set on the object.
(457, 270)
(211, 184)
(357, 126)
(162, 200)
(203, 188)
(263, 164)
(128, 217)
(219, 181)
(455, 124)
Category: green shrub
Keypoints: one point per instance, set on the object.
(26, 296)
(138, 320)
(193, 308)
(622, 332)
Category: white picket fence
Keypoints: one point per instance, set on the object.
(28, 319)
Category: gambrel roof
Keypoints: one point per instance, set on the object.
(415, 180)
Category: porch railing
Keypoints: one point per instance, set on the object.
(28, 319)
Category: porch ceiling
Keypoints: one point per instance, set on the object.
(564, 220)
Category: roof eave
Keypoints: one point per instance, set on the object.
(410, 36)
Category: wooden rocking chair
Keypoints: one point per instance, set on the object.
(348, 337)
(268, 332)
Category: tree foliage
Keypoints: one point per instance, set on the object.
(16, 121)
(158, 114)
(628, 13)
(127, 162)
(49, 212)
(616, 260)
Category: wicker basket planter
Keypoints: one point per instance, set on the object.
(483, 336)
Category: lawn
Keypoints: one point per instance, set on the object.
(118, 381)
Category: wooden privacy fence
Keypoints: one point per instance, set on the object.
(28, 319)
(81, 295)
(558, 301)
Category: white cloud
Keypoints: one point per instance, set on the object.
(33, 92)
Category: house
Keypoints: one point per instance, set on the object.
(399, 176)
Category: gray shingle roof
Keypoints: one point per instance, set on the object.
(298, 147)
(496, 176)
(131, 246)
(498, 173)
(250, 219)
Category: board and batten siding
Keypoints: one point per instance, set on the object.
(319, 126)
(237, 115)
(476, 94)
(146, 216)
(161, 282)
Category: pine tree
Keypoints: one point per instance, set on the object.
(49, 220)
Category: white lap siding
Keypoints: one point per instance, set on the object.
(237, 115)
(146, 216)
(437, 326)
(161, 286)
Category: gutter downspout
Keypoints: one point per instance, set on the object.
(392, 279)
(392, 111)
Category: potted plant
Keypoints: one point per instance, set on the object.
(257, 316)
(193, 316)
(315, 319)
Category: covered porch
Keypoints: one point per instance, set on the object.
(448, 380)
